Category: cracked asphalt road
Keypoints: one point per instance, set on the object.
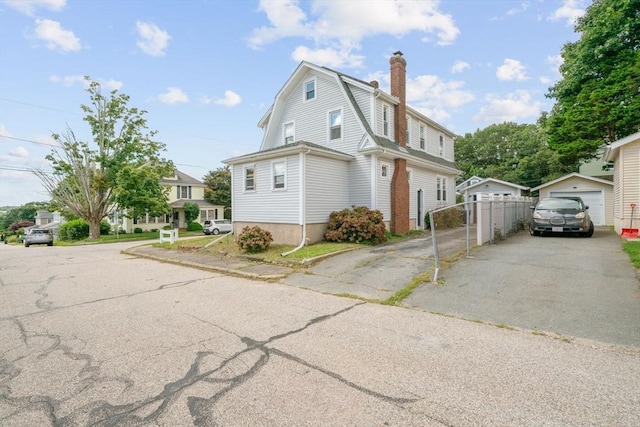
(91, 337)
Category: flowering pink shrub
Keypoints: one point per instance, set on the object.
(254, 239)
(360, 225)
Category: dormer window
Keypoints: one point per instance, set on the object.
(310, 90)
(288, 133)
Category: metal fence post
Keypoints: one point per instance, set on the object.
(435, 246)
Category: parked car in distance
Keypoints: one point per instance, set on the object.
(561, 215)
(38, 236)
(217, 226)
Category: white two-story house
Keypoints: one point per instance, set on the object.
(332, 142)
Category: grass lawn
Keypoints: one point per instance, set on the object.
(227, 246)
(128, 237)
(633, 249)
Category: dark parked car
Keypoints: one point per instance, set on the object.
(561, 215)
(38, 236)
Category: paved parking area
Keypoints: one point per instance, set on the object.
(581, 287)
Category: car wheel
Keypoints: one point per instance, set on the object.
(216, 231)
(590, 232)
(50, 244)
(26, 245)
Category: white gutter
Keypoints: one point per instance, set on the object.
(302, 201)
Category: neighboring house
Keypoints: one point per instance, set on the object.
(477, 187)
(182, 189)
(597, 168)
(597, 193)
(332, 142)
(625, 154)
(466, 183)
(47, 220)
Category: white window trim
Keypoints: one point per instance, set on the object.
(386, 122)
(442, 198)
(333, 110)
(304, 90)
(273, 175)
(284, 135)
(384, 165)
(244, 178)
(408, 120)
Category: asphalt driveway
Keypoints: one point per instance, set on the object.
(577, 287)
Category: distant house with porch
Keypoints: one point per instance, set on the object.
(183, 189)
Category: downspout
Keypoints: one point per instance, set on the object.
(303, 203)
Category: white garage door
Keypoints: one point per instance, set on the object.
(594, 199)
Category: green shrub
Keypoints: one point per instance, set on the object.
(360, 225)
(194, 226)
(137, 230)
(105, 227)
(449, 218)
(75, 229)
(254, 239)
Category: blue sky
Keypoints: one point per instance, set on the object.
(207, 70)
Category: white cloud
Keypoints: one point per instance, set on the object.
(56, 37)
(430, 95)
(459, 67)
(512, 107)
(231, 99)
(173, 95)
(71, 80)
(29, 7)
(511, 69)
(67, 80)
(337, 27)
(570, 11)
(329, 57)
(19, 152)
(4, 131)
(151, 39)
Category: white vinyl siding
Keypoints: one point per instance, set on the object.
(383, 190)
(326, 189)
(263, 204)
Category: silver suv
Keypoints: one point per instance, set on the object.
(38, 236)
(217, 226)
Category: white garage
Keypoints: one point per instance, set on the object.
(596, 192)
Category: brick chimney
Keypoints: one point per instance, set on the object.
(399, 90)
(399, 182)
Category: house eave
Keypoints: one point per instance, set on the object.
(287, 150)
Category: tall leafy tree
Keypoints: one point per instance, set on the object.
(119, 169)
(218, 187)
(598, 96)
(511, 152)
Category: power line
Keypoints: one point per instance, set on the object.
(27, 140)
(37, 106)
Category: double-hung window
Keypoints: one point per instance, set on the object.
(335, 124)
(441, 146)
(422, 137)
(288, 131)
(249, 178)
(441, 189)
(279, 170)
(310, 90)
(184, 191)
(384, 171)
(385, 120)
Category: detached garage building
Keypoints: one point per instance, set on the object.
(597, 193)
